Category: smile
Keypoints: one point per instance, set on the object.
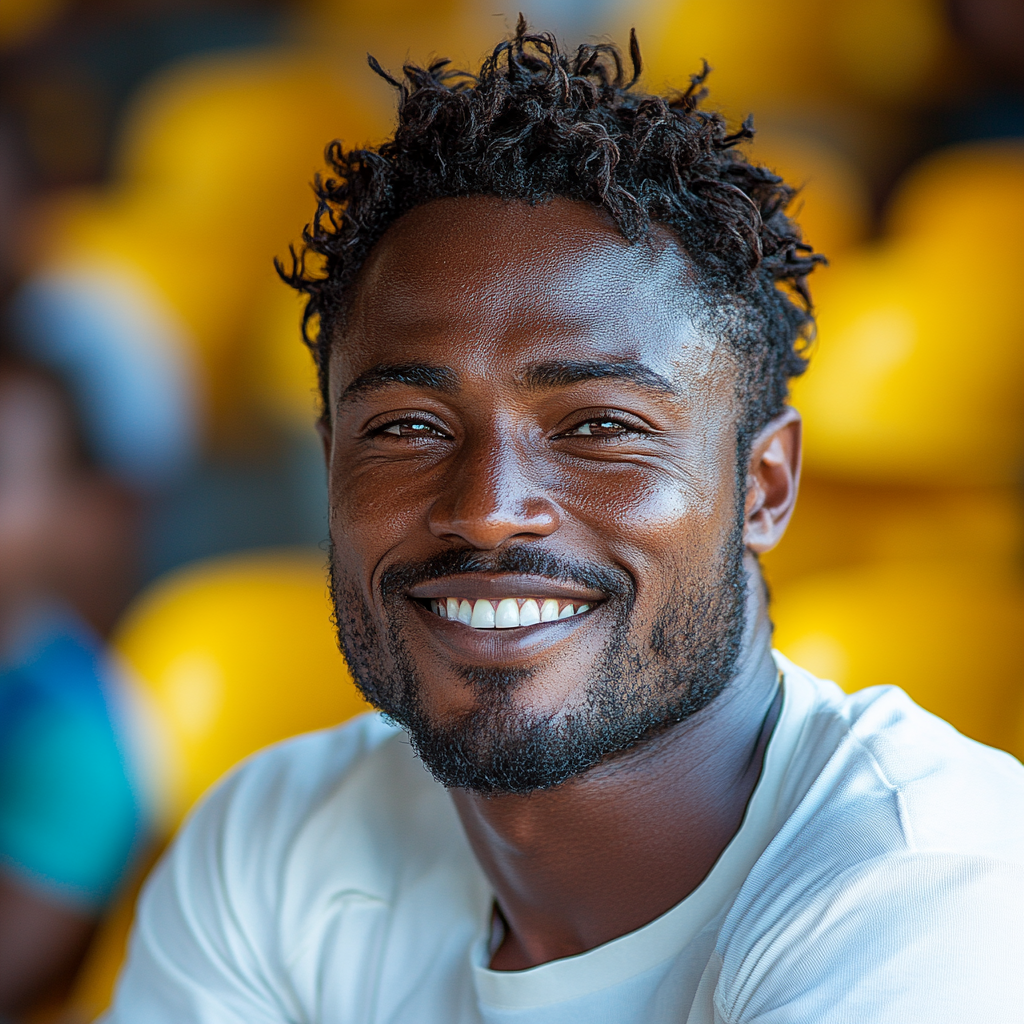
(507, 613)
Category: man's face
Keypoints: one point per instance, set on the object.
(534, 513)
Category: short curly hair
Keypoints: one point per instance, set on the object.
(536, 124)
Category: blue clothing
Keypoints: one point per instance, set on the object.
(70, 813)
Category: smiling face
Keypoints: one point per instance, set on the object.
(536, 530)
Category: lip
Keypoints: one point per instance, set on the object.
(482, 586)
(499, 646)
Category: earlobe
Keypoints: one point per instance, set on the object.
(773, 478)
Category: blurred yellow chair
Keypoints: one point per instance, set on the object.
(918, 373)
(212, 181)
(839, 524)
(832, 207)
(913, 404)
(283, 376)
(751, 49)
(233, 654)
(877, 49)
(397, 31)
(951, 639)
(904, 561)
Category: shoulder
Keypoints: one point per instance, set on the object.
(349, 809)
(308, 763)
(272, 795)
(239, 891)
(929, 937)
(892, 890)
(874, 758)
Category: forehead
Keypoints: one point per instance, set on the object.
(483, 277)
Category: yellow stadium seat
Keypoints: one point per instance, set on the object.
(832, 207)
(283, 381)
(752, 50)
(918, 374)
(212, 182)
(233, 654)
(397, 31)
(879, 49)
(839, 524)
(963, 198)
(950, 638)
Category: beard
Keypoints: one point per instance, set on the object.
(647, 679)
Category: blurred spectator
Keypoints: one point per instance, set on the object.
(73, 800)
(150, 289)
(138, 398)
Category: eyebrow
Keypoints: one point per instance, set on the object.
(419, 375)
(564, 374)
(543, 376)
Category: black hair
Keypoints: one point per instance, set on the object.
(535, 124)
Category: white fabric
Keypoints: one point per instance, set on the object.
(878, 878)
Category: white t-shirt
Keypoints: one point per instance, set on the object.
(877, 878)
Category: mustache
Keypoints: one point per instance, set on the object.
(396, 579)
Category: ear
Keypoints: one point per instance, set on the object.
(773, 478)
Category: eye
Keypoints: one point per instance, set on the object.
(410, 428)
(601, 427)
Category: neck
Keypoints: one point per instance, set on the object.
(599, 856)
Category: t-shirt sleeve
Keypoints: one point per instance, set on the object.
(933, 938)
(195, 956)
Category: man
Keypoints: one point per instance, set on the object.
(556, 319)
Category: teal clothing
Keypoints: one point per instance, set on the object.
(70, 812)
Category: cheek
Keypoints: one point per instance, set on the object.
(660, 515)
(373, 510)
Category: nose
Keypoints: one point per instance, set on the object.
(490, 497)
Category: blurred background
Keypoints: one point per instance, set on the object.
(162, 501)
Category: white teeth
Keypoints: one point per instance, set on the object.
(483, 615)
(529, 614)
(507, 615)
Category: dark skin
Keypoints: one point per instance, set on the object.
(575, 403)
